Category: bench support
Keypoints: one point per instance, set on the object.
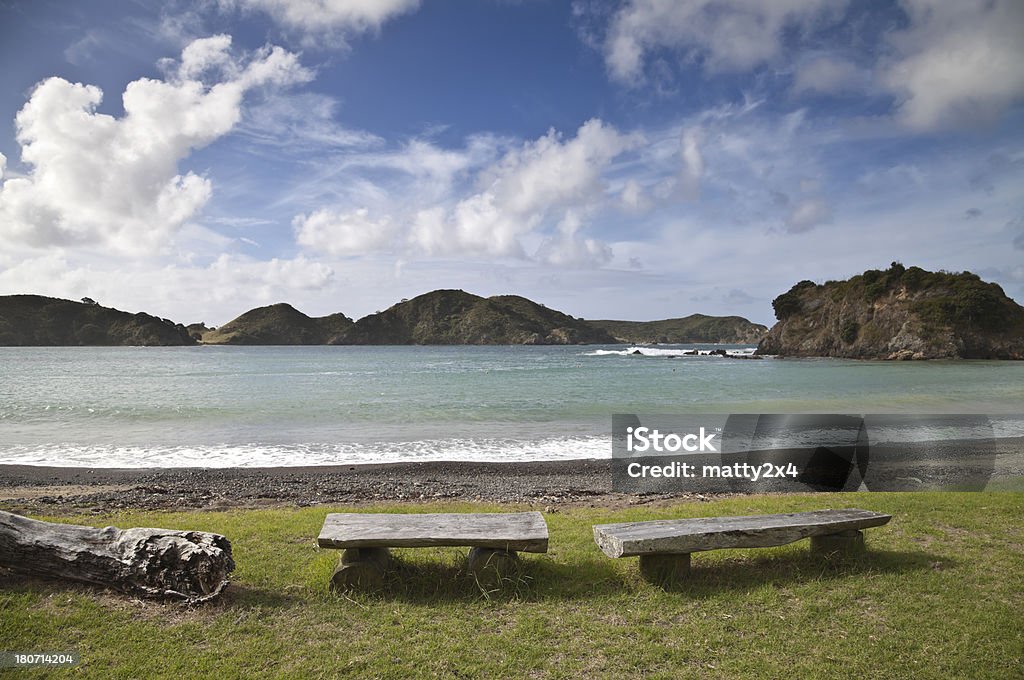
(664, 569)
(492, 568)
(844, 544)
(361, 569)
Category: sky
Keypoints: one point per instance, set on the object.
(637, 160)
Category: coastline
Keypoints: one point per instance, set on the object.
(543, 485)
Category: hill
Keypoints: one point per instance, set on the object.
(899, 313)
(35, 320)
(279, 324)
(455, 317)
(689, 329)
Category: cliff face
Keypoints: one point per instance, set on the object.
(34, 320)
(454, 317)
(689, 329)
(279, 324)
(900, 313)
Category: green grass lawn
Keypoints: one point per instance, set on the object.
(940, 594)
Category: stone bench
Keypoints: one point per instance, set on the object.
(664, 546)
(494, 539)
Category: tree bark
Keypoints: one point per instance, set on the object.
(152, 563)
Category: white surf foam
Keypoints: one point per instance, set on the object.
(668, 352)
(291, 455)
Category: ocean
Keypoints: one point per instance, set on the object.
(213, 406)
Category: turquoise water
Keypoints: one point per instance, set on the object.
(238, 406)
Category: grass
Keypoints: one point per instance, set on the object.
(939, 594)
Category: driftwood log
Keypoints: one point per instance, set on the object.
(154, 563)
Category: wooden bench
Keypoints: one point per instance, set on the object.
(494, 538)
(664, 546)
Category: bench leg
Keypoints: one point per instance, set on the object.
(664, 569)
(844, 544)
(361, 569)
(492, 568)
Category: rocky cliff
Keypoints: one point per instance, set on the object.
(899, 313)
(455, 317)
(688, 329)
(279, 324)
(34, 320)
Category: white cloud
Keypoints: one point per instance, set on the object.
(958, 62)
(570, 249)
(693, 164)
(353, 233)
(807, 214)
(113, 182)
(634, 198)
(828, 75)
(543, 180)
(490, 198)
(728, 35)
(332, 20)
(215, 292)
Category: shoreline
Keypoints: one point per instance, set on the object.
(541, 484)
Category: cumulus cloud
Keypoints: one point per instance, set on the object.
(729, 35)
(957, 61)
(352, 233)
(549, 179)
(568, 248)
(113, 182)
(634, 198)
(333, 20)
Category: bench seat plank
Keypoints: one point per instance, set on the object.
(676, 536)
(520, 531)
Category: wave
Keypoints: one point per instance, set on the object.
(301, 454)
(671, 352)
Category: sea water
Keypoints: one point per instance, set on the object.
(268, 406)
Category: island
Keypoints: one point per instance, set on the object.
(897, 314)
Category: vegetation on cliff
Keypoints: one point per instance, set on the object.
(898, 313)
(34, 320)
(689, 329)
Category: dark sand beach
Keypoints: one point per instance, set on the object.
(26, 488)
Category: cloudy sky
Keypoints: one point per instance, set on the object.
(640, 160)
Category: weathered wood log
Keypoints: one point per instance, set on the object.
(154, 563)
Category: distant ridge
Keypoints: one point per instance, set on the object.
(279, 324)
(899, 313)
(695, 328)
(455, 317)
(35, 320)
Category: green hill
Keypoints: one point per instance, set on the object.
(279, 324)
(34, 320)
(899, 313)
(455, 317)
(689, 329)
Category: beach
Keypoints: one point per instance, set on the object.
(543, 484)
(79, 489)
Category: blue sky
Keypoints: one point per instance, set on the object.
(644, 159)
